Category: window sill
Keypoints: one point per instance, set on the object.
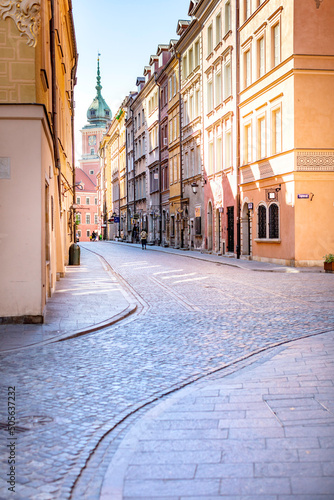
(267, 240)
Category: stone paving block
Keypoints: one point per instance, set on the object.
(151, 498)
(143, 472)
(233, 497)
(323, 430)
(328, 468)
(176, 457)
(293, 443)
(181, 434)
(310, 486)
(253, 433)
(160, 488)
(316, 455)
(193, 424)
(266, 456)
(255, 486)
(285, 469)
(249, 423)
(182, 445)
(210, 471)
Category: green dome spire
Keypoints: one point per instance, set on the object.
(98, 114)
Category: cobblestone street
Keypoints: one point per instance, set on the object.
(194, 317)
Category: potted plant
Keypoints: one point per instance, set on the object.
(329, 263)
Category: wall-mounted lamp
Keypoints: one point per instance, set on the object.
(278, 189)
(194, 187)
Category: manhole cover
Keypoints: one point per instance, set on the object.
(31, 421)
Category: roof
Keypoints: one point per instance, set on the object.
(82, 178)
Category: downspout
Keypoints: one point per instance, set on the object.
(73, 83)
(180, 131)
(54, 99)
(238, 127)
(160, 195)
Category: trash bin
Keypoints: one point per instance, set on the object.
(74, 257)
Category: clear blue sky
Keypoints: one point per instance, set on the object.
(126, 33)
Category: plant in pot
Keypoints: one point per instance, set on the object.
(329, 263)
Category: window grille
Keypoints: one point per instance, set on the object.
(273, 221)
(262, 221)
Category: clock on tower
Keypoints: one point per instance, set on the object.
(92, 140)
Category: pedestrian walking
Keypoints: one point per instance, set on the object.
(143, 238)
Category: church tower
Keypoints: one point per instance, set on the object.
(99, 118)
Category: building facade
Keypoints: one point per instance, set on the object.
(229, 138)
(38, 58)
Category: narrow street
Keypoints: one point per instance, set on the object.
(193, 318)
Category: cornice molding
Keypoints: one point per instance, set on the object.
(25, 14)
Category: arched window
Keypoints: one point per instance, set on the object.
(273, 221)
(262, 222)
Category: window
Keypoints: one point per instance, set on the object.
(198, 160)
(88, 233)
(227, 149)
(184, 67)
(186, 165)
(79, 233)
(276, 45)
(218, 165)
(196, 53)
(273, 221)
(192, 163)
(209, 40)
(248, 144)
(218, 87)
(175, 128)
(247, 68)
(218, 29)
(78, 217)
(276, 131)
(191, 60)
(209, 95)
(78, 200)
(95, 201)
(197, 102)
(227, 80)
(210, 157)
(227, 16)
(247, 6)
(96, 219)
(262, 222)
(91, 172)
(261, 138)
(92, 151)
(87, 218)
(176, 177)
(87, 200)
(261, 57)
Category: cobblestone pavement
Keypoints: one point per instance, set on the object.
(194, 317)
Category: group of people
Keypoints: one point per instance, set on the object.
(95, 236)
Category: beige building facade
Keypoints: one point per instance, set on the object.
(38, 59)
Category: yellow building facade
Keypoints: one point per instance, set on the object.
(38, 59)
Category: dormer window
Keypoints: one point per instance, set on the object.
(107, 113)
(92, 112)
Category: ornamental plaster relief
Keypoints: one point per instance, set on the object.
(25, 14)
(315, 161)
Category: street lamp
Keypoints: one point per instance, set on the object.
(194, 187)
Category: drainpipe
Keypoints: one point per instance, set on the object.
(160, 183)
(238, 127)
(73, 83)
(54, 99)
(180, 131)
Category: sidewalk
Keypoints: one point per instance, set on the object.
(251, 265)
(264, 432)
(88, 298)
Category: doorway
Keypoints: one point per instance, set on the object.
(230, 229)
